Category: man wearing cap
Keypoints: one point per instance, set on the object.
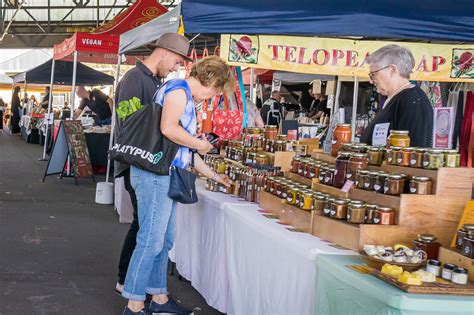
(136, 89)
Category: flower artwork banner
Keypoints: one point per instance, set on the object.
(330, 56)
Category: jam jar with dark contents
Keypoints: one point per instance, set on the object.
(322, 172)
(339, 209)
(370, 213)
(318, 202)
(420, 185)
(468, 245)
(328, 205)
(384, 216)
(356, 212)
(361, 177)
(394, 184)
(379, 182)
(416, 159)
(427, 243)
(342, 163)
(404, 156)
(294, 164)
(462, 233)
(329, 177)
(392, 155)
(358, 161)
(370, 181)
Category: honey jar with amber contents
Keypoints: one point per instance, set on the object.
(384, 216)
(399, 138)
(404, 156)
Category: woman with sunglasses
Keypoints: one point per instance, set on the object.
(407, 107)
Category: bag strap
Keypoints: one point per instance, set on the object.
(242, 93)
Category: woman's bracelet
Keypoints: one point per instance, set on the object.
(214, 177)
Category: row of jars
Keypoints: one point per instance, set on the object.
(465, 240)
(353, 211)
(405, 156)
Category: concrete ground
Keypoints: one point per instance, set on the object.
(58, 248)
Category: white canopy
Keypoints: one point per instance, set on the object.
(4, 79)
(133, 42)
(295, 78)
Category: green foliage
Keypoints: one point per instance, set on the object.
(127, 108)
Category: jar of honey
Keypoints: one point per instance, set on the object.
(416, 159)
(318, 202)
(399, 138)
(394, 184)
(404, 156)
(392, 155)
(452, 158)
(292, 196)
(384, 216)
(375, 155)
(279, 145)
(361, 177)
(307, 203)
(358, 161)
(356, 212)
(370, 213)
(262, 159)
(420, 185)
(339, 209)
(342, 133)
(427, 243)
(271, 132)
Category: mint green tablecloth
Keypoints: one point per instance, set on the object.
(343, 291)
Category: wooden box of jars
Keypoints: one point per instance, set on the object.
(454, 256)
(437, 212)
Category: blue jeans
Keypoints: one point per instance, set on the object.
(148, 267)
(106, 121)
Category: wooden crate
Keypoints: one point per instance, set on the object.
(280, 158)
(299, 179)
(296, 217)
(271, 203)
(313, 144)
(453, 256)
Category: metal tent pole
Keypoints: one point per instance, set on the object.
(50, 104)
(252, 84)
(74, 75)
(354, 107)
(112, 129)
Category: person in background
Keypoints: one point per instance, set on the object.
(253, 116)
(147, 271)
(407, 107)
(15, 110)
(66, 111)
(319, 105)
(45, 101)
(271, 109)
(2, 108)
(98, 102)
(138, 86)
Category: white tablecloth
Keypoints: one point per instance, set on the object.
(244, 263)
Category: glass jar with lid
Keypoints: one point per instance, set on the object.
(271, 132)
(307, 203)
(359, 148)
(420, 185)
(356, 212)
(318, 202)
(468, 245)
(302, 166)
(279, 145)
(328, 205)
(370, 181)
(370, 213)
(292, 196)
(269, 144)
(379, 182)
(262, 159)
(416, 159)
(314, 169)
(404, 156)
(392, 155)
(329, 177)
(361, 177)
(452, 158)
(339, 209)
(342, 133)
(346, 147)
(341, 165)
(433, 159)
(322, 172)
(427, 243)
(384, 216)
(399, 138)
(294, 164)
(462, 233)
(394, 184)
(307, 169)
(358, 161)
(375, 155)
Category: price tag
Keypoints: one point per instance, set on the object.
(379, 136)
(347, 186)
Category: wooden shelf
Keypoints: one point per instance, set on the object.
(271, 203)
(280, 158)
(453, 256)
(329, 190)
(298, 178)
(336, 231)
(320, 155)
(296, 217)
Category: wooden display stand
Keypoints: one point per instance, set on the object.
(453, 256)
(296, 217)
(271, 203)
(436, 214)
(280, 159)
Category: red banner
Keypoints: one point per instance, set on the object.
(87, 43)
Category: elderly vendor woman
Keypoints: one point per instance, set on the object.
(407, 107)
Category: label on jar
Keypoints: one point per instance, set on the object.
(278, 192)
(366, 185)
(412, 162)
(459, 241)
(311, 174)
(466, 251)
(321, 178)
(271, 189)
(289, 198)
(377, 187)
(376, 220)
(412, 190)
(348, 216)
(284, 194)
(385, 189)
(334, 141)
(333, 212)
(348, 175)
(426, 163)
(399, 160)
(327, 210)
(300, 171)
(390, 159)
(327, 180)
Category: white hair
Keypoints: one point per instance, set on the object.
(393, 55)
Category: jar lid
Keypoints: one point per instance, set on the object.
(421, 149)
(409, 149)
(340, 201)
(382, 174)
(421, 178)
(324, 167)
(356, 205)
(460, 270)
(451, 151)
(468, 227)
(375, 148)
(359, 155)
(363, 172)
(280, 141)
(344, 153)
(426, 238)
(395, 176)
(343, 125)
(436, 151)
(353, 202)
(261, 156)
(375, 207)
(308, 194)
(270, 126)
(373, 174)
(385, 209)
(320, 197)
(434, 262)
(396, 148)
(449, 266)
(399, 132)
(331, 199)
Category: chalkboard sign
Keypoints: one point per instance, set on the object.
(70, 141)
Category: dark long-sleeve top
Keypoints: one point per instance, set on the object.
(408, 110)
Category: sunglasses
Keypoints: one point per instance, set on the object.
(371, 74)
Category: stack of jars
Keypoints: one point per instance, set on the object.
(353, 211)
(283, 188)
(465, 240)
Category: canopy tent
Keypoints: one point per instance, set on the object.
(297, 78)
(133, 42)
(264, 76)
(63, 74)
(4, 79)
(402, 19)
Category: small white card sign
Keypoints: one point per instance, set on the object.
(380, 134)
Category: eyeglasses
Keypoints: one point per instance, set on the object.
(371, 74)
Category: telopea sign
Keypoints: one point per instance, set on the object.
(433, 62)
